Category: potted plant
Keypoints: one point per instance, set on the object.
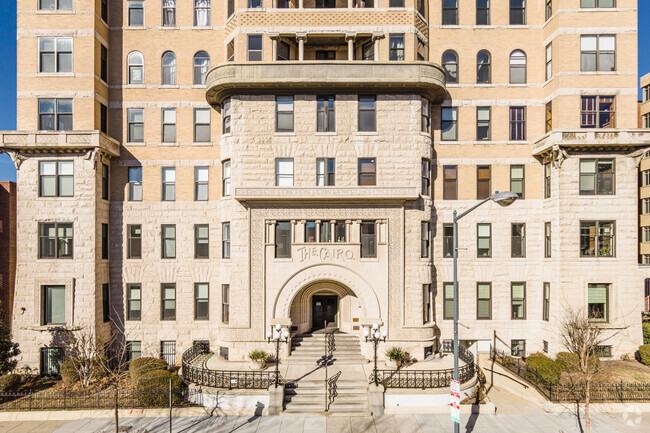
(395, 357)
(257, 359)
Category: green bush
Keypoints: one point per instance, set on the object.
(153, 388)
(646, 333)
(548, 369)
(396, 353)
(9, 382)
(569, 361)
(258, 355)
(644, 354)
(141, 366)
(69, 372)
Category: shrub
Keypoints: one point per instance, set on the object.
(396, 353)
(258, 355)
(9, 382)
(141, 366)
(546, 368)
(646, 333)
(644, 354)
(569, 361)
(153, 388)
(69, 372)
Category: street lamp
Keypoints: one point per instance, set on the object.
(277, 338)
(503, 199)
(376, 337)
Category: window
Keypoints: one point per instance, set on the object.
(597, 301)
(420, 50)
(517, 123)
(368, 3)
(225, 303)
(201, 183)
(104, 241)
(549, 9)
(549, 116)
(596, 176)
(53, 305)
(547, 240)
(104, 10)
(518, 300)
(483, 181)
(517, 183)
(255, 3)
(55, 55)
(134, 301)
(449, 123)
(325, 55)
(284, 113)
(598, 53)
(483, 74)
(56, 179)
(169, 68)
(55, 114)
(325, 231)
(450, 182)
(396, 48)
(547, 180)
(106, 302)
(597, 238)
(449, 12)
(168, 352)
(518, 348)
(517, 12)
(367, 171)
(136, 13)
(134, 241)
(426, 177)
(283, 239)
(201, 241)
(134, 350)
(201, 301)
(56, 241)
(54, 4)
(201, 13)
(168, 183)
(518, 67)
(340, 234)
(396, 3)
(518, 240)
(646, 206)
(427, 296)
(646, 121)
(135, 62)
(645, 234)
(549, 61)
(448, 301)
(168, 305)
(169, 125)
(310, 231)
(597, 112)
(284, 172)
(135, 183)
(105, 183)
(425, 113)
(484, 301)
(168, 241)
(645, 178)
(597, 3)
(645, 260)
(225, 178)
(367, 113)
(201, 66)
(103, 118)
(482, 12)
(447, 240)
(201, 125)
(325, 171)
(225, 240)
(225, 117)
(603, 351)
(230, 51)
(647, 292)
(483, 130)
(368, 51)
(546, 302)
(484, 240)
(450, 63)
(169, 13)
(103, 74)
(51, 360)
(425, 230)
(325, 114)
(254, 48)
(136, 125)
(368, 239)
(646, 93)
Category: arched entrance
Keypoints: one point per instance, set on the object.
(326, 301)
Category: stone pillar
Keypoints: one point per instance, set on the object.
(301, 43)
(300, 6)
(375, 39)
(350, 39)
(332, 224)
(348, 230)
(271, 231)
(274, 41)
(375, 399)
(276, 397)
(318, 223)
(293, 231)
(302, 230)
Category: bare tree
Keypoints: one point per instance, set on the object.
(83, 350)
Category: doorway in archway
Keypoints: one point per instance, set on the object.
(324, 308)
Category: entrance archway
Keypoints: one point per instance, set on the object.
(325, 301)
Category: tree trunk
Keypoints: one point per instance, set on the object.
(587, 397)
(117, 424)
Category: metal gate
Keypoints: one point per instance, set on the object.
(168, 352)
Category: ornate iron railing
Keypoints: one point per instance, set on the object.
(202, 376)
(332, 391)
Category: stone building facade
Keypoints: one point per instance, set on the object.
(203, 170)
(7, 248)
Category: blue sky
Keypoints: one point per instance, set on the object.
(8, 70)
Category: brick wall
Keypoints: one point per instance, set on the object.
(7, 248)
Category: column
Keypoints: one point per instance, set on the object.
(274, 41)
(375, 39)
(350, 39)
(318, 223)
(332, 224)
(300, 4)
(350, 4)
(301, 44)
(348, 231)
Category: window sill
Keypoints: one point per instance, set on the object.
(142, 27)
(425, 134)
(135, 86)
(284, 134)
(334, 133)
(55, 74)
(598, 73)
(163, 27)
(170, 86)
(201, 143)
(449, 142)
(55, 12)
(369, 259)
(367, 133)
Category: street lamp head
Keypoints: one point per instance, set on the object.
(384, 334)
(276, 335)
(366, 333)
(286, 334)
(375, 326)
(268, 335)
(505, 198)
(278, 326)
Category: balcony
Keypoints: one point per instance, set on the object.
(618, 140)
(355, 194)
(227, 79)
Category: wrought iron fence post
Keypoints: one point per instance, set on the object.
(64, 399)
(31, 396)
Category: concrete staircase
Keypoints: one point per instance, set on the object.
(308, 397)
(310, 348)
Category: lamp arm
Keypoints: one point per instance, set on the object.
(472, 208)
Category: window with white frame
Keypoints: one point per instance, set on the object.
(168, 183)
(169, 13)
(169, 125)
(225, 117)
(645, 178)
(136, 13)
(50, 5)
(201, 175)
(517, 67)
(646, 234)
(284, 113)
(549, 61)
(517, 123)
(169, 68)
(135, 64)
(325, 171)
(201, 66)
(225, 178)
(53, 305)
(201, 13)
(135, 183)
(597, 176)
(55, 114)
(55, 55)
(201, 125)
(284, 172)
(598, 53)
(56, 179)
(135, 123)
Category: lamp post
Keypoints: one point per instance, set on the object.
(504, 199)
(277, 338)
(376, 337)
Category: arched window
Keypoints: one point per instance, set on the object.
(450, 63)
(201, 66)
(517, 67)
(135, 63)
(483, 74)
(169, 68)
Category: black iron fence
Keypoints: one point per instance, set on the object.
(202, 376)
(518, 367)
